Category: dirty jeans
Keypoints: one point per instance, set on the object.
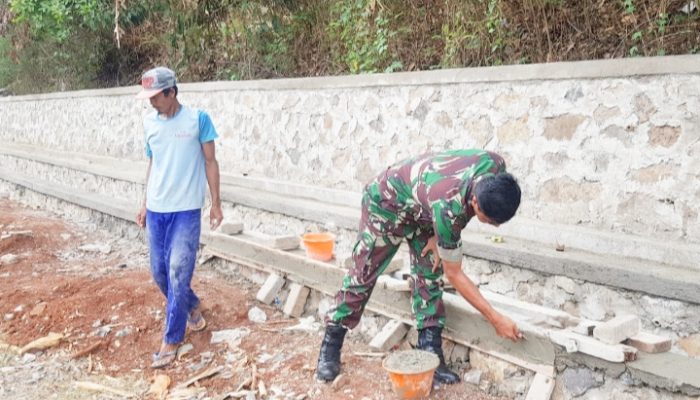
(377, 242)
(174, 240)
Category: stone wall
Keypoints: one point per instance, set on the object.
(591, 144)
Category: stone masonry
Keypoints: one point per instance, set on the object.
(613, 153)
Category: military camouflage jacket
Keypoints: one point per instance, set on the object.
(431, 191)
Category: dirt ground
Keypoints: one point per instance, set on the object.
(76, 280)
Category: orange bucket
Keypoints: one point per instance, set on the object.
(411, 372)
(319, 246)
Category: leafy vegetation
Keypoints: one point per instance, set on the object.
(48, 45)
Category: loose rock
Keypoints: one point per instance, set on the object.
(257, 315)
(96, 248)
(8, 259)
(38, 309)
(230, 336)
(473, 377)
(124, 332)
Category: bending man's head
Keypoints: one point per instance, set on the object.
(496, 198)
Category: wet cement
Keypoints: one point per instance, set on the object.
(411, 361)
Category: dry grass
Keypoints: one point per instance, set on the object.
(226, 39)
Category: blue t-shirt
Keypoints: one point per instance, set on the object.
(177, 181)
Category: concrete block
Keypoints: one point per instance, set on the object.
(691, 345)
(585, 327)
(268, 291)
(389, 336)
(460, 353)
(285, 242)
(412, 336)
(472, 377)
(541, 388)
(649, 343)
(617, 329)
(231, 228)
(294, 306)
(404, 345)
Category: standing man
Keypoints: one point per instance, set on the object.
(426, 200)
(181, 155)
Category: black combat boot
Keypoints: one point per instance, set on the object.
(329, 359)
(430, 339)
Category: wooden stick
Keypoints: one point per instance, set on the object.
(280, 321)
(275, 330)
(254, 381)
(9, 347)
(243, 384)
(96, 387)
(361, 354)
(50, 340)
(86, 351)
(209, 372)
(237, 394)
(262, 391)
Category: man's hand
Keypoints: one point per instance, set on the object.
(506, 328)
(215, 216)
(431, 246)
(141, 218)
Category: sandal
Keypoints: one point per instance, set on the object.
(162, 360)
(196, 321)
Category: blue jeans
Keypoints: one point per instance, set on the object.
(174, 240)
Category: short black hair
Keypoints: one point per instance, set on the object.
(166, 92)
(498, 196)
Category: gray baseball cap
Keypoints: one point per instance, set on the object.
(155, 81)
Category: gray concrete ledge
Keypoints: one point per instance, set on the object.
(105, 204)
(281, 195)
(594, 69)
(608, 270)
(613, 270)
(667, 371)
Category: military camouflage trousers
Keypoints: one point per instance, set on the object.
(377, 242)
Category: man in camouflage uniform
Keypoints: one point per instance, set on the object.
(427, 201)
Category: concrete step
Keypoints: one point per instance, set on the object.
(674, 281)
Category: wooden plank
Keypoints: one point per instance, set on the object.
(573, 342)
(541, 388)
